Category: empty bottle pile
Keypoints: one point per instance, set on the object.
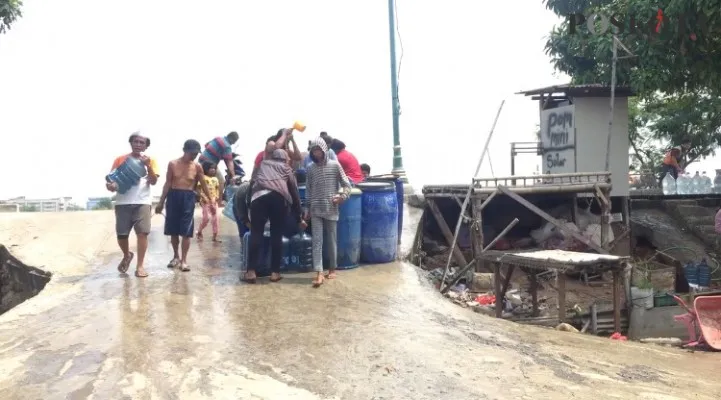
(686, 184)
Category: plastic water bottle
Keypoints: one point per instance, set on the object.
(681, 184)
(668, 185)
(707, 184)
(696, 184)
(128, 174)
(717, 182)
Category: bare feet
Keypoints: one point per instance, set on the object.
(275, 277)
(319, 279)
(331, 274)
(215, 239)
(140, 272)
(250, 276)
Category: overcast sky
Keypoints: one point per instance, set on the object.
(78, 76)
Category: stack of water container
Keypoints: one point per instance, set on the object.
(686, 184)
(369, 229)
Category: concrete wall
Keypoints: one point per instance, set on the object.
(657, 322)
(591, 118)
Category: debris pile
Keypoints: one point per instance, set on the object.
(477, 294)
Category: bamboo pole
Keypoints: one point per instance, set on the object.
(470, 190)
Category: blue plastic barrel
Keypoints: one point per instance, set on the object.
(379, 222)
(128, 174)
(398, 182)
(349, 231)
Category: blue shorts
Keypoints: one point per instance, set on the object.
(179, 213)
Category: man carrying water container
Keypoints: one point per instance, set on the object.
(133, 207)
(219, 149)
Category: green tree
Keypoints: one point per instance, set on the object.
(30, 208)
(684, 55)
(9, 12)
(104, 204)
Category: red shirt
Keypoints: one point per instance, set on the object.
(350, 165)
(259, 159)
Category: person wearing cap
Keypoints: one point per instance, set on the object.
(673, 158)
(178, 198)
(133, 208)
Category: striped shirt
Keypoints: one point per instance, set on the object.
(325, 180)
(216, 150)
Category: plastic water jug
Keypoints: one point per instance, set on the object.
(707, 184)
(301, 250)
(668, 185)
(683, 184)
(128, 174)
(696, 183)
(228, 209)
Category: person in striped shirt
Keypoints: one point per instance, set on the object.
(327, 186)
(217, 150)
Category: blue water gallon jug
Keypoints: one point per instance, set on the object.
(301, 249)
(704, 274)
(379, 222)
(128, 174)
(301, 192)
(228, 209)
(285, 258)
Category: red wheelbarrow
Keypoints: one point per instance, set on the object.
(705, 318)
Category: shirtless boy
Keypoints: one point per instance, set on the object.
(184, 175)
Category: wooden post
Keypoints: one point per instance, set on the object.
(574, 208)
(497, 289)
(605, 202)
(507, 280)
(534, 293)
(457, 254)
(476, 232)
(594, 319)
(616, 300)
(561, 285)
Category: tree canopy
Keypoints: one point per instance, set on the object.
(9, 12)
(684, 55)
(665, 120)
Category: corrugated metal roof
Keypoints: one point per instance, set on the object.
(590, 89)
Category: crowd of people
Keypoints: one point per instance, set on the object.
(271, 197)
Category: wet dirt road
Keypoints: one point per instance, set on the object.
(378, 332)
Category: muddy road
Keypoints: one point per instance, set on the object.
(377, 332)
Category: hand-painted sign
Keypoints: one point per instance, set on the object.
(558, 140)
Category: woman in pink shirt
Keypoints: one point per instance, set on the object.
(347, 160)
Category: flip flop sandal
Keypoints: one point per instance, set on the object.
(245, 279)
(174, 263)
(141, 275)
(184, 267)
(278, 279)
(125, 263)
(318, 283)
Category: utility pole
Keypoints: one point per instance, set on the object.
(397, 157)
